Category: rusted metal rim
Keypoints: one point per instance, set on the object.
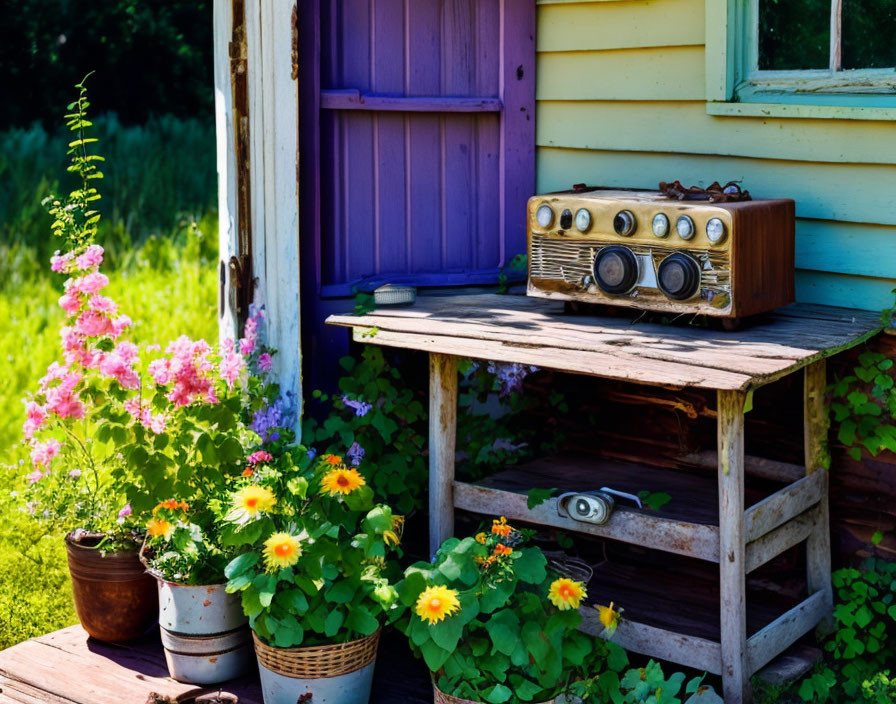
(205, 645)
(88, 563)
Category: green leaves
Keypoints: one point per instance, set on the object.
(504, 630)
(536, 497)
(531, 566)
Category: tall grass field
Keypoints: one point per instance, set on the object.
(160, 233)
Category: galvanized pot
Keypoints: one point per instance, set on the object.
(204, 633)
(328, 674)
(115, 599)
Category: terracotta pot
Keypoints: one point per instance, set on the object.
(115, 598)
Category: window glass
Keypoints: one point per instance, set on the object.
(795, 34)
(869, 34)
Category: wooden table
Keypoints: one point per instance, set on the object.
(733, 364)
(67, 667)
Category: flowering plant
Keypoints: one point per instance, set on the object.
(317, 568)
(494, 624)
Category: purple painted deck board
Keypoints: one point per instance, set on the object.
(423, 116)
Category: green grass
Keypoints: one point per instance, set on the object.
(159, 180)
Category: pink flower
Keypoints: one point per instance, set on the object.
(62, 399)
(43, 453)
(119, 325)
(75, 474)
(189, 369)
(265, 362)
(34, 477)
(154, 422)
(102, 304)
(74, 348)
(70, 302)
(35, 420)
(246, 346)
(60, 263)
(90, 284)
(94, 324)
(119, 364)
(91, 257)
(259, 457)
(125, 512)
(232, 366)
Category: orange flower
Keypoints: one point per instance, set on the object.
(501, 549)
(247, 472)
(172, 505)
(159, 528)
(332, 459)
(500, 527)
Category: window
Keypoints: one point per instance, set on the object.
(824, 53)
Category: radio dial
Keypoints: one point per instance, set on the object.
(660, 225)
(566, 219)
(544, 216)
(715, 230)
(624, 223)
(583, 220)
(685, 227)
(615, 269)
(678, 276)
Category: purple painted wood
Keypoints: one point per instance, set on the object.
(351, 99)
(418, 132)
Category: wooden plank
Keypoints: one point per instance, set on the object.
(784, 505)
(755, 466)
(581, 121)
(833, 289)
(846, 248)
(690, 651)
(619, 25)
(815, 444)
(352, 99)
(442, 436)
(626, 525)
(15, 692)
(777, 636)
(662, 73)
(732, 559)
(846, 111)
(780, 539)
(527, 330)
(847, 192)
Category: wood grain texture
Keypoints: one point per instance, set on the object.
(781, 538)
(764, 646)
(532, 331)
(442, 436)
(784, 505)
(732, 557)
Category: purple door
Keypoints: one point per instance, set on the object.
(417, 147)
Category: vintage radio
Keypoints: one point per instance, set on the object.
(644, 250)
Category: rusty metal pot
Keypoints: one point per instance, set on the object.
(115, 598)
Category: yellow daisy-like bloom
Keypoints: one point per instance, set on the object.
(608, 617)
(342, 481)
(159, 528)
(480, 538)
(281, 550)
(566, 594)
(254, 500)
(436, 603)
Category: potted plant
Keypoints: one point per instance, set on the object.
(315, 580)
(494, 624)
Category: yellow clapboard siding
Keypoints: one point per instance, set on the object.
(660, 73)
(619, 25)
(685, 127)
(844, 290)
(849, 192)
(847, 248)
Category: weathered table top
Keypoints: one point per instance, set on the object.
(67, 667)
(537, 331)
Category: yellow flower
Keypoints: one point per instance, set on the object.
(480, 538)
(608, 617)
(282, 550)
(435, 603)
(501, 549)
(254, 500)
(332, 459)
(342, 481)
(500, 527)
(390, 537)
(566, 594)
(159, 528)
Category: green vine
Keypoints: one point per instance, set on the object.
(74, 218)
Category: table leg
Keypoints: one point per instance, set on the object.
(732, 576)
(815, 436)
(442, 437)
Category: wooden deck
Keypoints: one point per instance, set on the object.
(67, 667)
(535, 331)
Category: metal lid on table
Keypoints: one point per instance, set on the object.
(394, 295)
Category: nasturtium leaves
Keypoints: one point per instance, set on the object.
(241, 563)
(333, 623)
(531, 566)
(504, 630)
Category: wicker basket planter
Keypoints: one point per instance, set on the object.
(332, 674)
(439, 697)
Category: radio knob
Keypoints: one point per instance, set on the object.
(678, 276)
(624, 223)
(615, 269)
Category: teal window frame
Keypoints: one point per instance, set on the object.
(734, 85)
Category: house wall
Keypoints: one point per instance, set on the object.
(621, 91)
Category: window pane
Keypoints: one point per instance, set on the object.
(794, 34)
(869, 33)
